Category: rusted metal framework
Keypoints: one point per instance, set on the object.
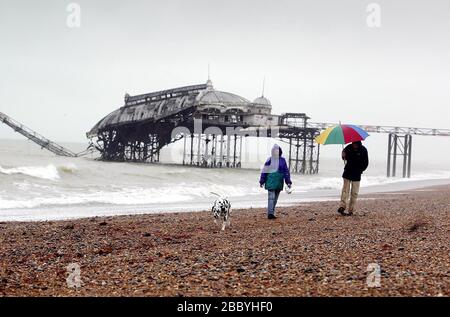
(213, 150)
(399, 145)
(36, 137)
(304, 152)
(139, 142)
(146, 123)
(139, 130)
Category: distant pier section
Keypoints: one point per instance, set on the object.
(212, 124)
(139, 129)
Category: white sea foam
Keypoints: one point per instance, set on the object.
(323, 183)
(49, 172)
(183, 192)
(126, 196)
(36, 185)
(69, 168)
(82, 182)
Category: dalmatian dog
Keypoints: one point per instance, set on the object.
(221, 211)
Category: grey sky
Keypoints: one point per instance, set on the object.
(319, 57)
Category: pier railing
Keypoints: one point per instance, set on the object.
(388, 129)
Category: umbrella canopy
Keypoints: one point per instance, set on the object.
(342, 134)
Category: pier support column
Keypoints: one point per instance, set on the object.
(222, 140)
(290, 154)
(240, 152)
(192, 148)
(303, 151)
(184, 149)
(206, 158)
(389, 155)
(234, 150)
(409, 156)
(228, 151)
(198, 149)
(214, 151)
(394, 158)
(399, 146)
(296, 157)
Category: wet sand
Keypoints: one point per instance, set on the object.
(309, 250)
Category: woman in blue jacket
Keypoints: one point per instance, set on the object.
(274, 173)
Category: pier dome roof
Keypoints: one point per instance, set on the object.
(262, 101)
(214, 96)
(161, 104)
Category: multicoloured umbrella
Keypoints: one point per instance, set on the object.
(342, 134)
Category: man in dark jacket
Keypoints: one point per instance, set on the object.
(274, 172)
(357, 161)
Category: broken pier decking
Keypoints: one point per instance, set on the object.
(35, 137)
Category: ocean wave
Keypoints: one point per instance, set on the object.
(103, 198)
(183, 192)
(324, 183)
(87, 186)
(49, 172)
(69, 168)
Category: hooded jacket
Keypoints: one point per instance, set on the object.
(275, 171)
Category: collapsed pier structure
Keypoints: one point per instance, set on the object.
(211, 123)
(37, 138)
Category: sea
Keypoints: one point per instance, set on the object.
(36, 185)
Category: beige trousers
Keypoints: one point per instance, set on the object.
(353, 192)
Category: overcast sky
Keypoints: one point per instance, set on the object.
(318, 57)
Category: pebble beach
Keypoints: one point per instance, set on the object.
(310, 250)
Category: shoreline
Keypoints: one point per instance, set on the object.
(65, 213)
(308, 251)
